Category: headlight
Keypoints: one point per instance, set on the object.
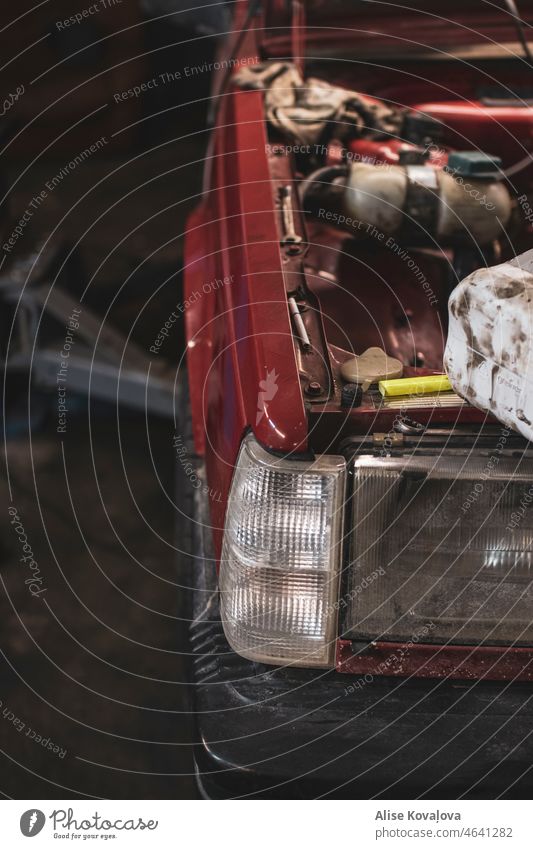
(445, 540)
(280, 561)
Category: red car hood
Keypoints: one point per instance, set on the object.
(390, 28)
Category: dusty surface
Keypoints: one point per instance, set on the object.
(94, 664)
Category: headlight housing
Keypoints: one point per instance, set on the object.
(281, 555)
(443, 540)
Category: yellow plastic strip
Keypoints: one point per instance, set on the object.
(415, 385)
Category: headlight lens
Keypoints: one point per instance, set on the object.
(280, 561)
(446, 540)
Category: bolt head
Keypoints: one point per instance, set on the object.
(314, 388)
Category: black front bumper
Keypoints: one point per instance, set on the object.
(264, 731)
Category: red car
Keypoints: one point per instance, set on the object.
(360, 560)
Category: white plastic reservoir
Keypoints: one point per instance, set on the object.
(489, 352)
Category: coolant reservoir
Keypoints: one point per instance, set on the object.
(429, 200)
(489, 352)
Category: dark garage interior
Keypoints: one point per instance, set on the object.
(100, 669)
(266, 275)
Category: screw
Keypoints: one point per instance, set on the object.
(313, 388)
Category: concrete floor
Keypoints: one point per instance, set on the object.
(96, 663)
(92, 672)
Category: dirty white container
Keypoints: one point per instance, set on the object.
(489, 351)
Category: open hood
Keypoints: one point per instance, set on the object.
(432, 28)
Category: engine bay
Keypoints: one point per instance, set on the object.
(388, 196)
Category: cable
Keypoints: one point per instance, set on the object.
(322, 176)
(513, 10)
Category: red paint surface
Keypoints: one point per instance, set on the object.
(238, 333)
(391, 28)
(431, 661)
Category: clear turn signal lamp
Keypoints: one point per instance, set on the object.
(281, 557)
